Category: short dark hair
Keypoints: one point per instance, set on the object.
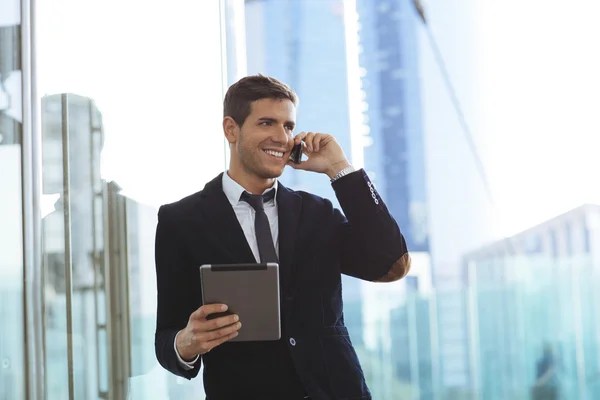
(240, 96)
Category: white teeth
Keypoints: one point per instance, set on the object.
(274, 153)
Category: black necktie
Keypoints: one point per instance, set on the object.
(266, 247)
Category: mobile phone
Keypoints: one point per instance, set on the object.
(296, 154)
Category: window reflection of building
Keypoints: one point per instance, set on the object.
(85, 198)
(10, 80)
(394, 157)
(85, 142)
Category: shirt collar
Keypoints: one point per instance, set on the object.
(234, 190)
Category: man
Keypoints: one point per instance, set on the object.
(313, 243)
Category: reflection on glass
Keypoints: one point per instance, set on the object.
(12, 352)
(85, 144)
(144, 129)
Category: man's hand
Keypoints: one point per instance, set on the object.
(324, 154)
(202, 335)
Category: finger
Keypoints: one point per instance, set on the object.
(305, 149)
(212, 324)
(208, 309)
(309, 139)
(317, 141)
(214, 343)
(299, 137)
(216, 334)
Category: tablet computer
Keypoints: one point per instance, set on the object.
(249, 290)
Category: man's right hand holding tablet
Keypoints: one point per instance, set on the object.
(201, 334)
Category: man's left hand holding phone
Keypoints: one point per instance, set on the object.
(203, 334)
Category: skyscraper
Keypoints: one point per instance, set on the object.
(394, 153)
(394, 158)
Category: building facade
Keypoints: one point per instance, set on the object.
(555, 267)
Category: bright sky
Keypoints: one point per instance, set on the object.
(154, 71)
(540, 71)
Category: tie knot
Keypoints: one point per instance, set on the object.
(256, 201)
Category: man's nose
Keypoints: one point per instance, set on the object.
(282, 135)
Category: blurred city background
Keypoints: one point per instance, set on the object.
(476, 119)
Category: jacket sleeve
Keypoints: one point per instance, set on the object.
(177, 296)
(371, 244)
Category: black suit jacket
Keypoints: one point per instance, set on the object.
(316, 245)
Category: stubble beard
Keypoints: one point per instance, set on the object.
(251, 162)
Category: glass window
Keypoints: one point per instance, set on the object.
(553, 243)
(568, 232)
(12, 352)
(586, 236)
(134, 89)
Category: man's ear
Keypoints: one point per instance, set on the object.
(230, 129)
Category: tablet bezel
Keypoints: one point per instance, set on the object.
(250, 290)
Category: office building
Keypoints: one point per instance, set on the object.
(394, 157)
(394, 153)
(572, 235)
(552, 266)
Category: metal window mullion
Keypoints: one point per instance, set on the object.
(30, 141)
(108, 247)
(120, 296)
(67, 237)
(126, 299)
(117, 303)
(115, 231)
(96, 191)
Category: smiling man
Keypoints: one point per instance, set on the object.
(245, 215)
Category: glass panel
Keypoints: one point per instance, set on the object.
(53, 247)
(145, 107)
(12, 352)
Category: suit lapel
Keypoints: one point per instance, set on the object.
(220, 219)
(289, 207)
(222, 222)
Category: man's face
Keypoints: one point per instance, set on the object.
(266, 138)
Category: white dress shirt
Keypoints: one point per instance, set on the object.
(245, 215)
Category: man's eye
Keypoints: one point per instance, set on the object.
(265, 123)
(290, 127)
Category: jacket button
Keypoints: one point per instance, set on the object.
(292, 341)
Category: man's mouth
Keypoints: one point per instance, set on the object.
(274, 153)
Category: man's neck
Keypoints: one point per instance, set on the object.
(252, 184)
